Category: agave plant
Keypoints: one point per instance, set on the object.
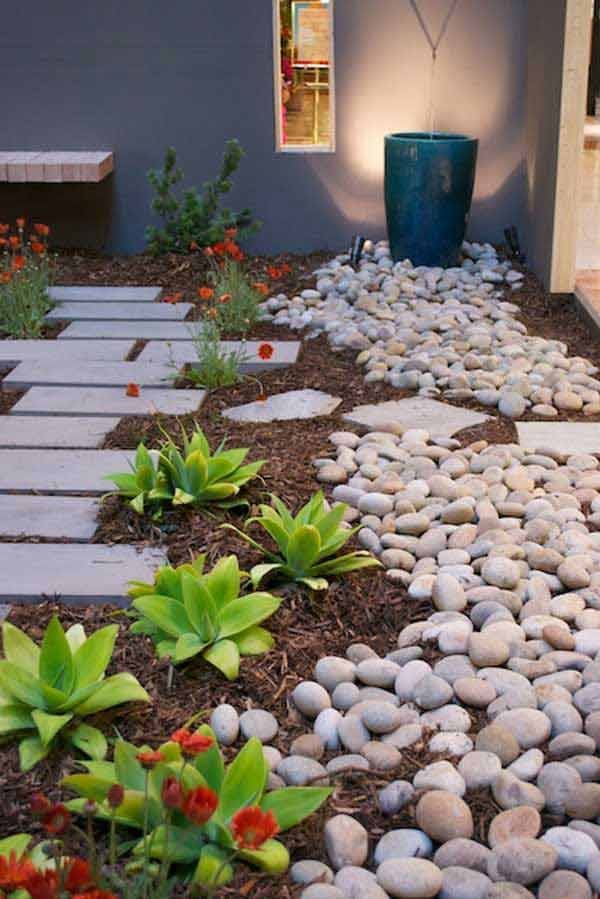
(194, 476)
(187, 612)
(307, 543)
(48, 689)
(206, 850)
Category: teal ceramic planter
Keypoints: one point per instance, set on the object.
(428, 191)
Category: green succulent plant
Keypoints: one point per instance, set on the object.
(187, 612)
(194, 476)
(307, 543)
(205, 853)
(48, 689)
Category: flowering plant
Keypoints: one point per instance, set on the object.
(195, 812)
(25, 271)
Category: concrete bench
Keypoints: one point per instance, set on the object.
(54, 167)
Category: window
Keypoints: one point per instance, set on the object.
(304, 77)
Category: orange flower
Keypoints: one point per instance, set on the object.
(274, 272)
(261, 287)
(38, 247)
(206, 293)
(200, 804)
(265, 351)
(5, 277)
(3, 242)
(4, 229)
(14, 872)
(152, 757)
(173, 297)
(171, 793)
(95, 894)
(43, 886)
(134, 390)
(57, 819)
(79, 875)
(220, 248)
(261, 398)
(286, 268)
(18, 263)
(14, 241)
(42, 230)
(224, 298)
(191, 744)
(20, 224)
(39, 804)
(251, 827)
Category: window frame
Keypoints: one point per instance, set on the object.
(280, 147)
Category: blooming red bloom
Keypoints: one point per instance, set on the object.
(274, 272)
(206, 293)
(132, 390)
(4, 229)
(14, 872)
(265, 351)
(251, 827)
(20, 223)
(42, 230)
(57, 819)
(14, 241)
(18, 263)
(191, 744)
(173, 297)
(95, 894)
(152, 757)
(200, 804)
(171, 793)
(42, 885)
(115, 796)
(38, 247)
(78, 875)
(261, 287)
(39, 804)
(286, 268)
(224, 298)
(5, 277)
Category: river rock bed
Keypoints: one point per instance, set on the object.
(442, 331)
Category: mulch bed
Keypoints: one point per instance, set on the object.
(363, 607)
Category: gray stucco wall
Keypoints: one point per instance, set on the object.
(135, 76)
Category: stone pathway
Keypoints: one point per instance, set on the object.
(440, 419)
(51, 467)
(562, 436)
(293, 404)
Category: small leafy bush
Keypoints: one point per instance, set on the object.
(24, 280)
(48, 689)
(195, 220)
(232, 300)
(307, 543)
(187, 612)
(195, 476)
(195, 812)
(215, 367)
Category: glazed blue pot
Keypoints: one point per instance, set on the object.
(428, 192)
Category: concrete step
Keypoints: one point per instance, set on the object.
(60, 471)
(54, 431)
(14, 351)
(285, 352)
(61, 293)
(128, 330)
(107, 401)
(78, 574)
(89, 374)
(566, 437)
(51, 517)
(164, 312)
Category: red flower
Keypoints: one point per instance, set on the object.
(14, 241)
(132, 390)
(274, 272)
(200, 804)
(42, 885)
(57, 819)
(261, 287)
(95, 894)
(38, 247)
(251, 827)
(265, 351)
(115, 796)
(14, 872)
(224, 298)
(286, 268)
(191, 744)
(79, 875)
(150, 758)
(39, 804)
(173, 298)
(206, 293)
(4, 229)
(20, 224)
(42, 230)
(18, 263)
(171, 793)
(5, 277)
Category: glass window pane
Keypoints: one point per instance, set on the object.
(304, 81)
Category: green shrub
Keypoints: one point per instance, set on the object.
(187, 612)
(239, 312)
(25, 275)
(196, 218)
(214, 366)
(47, 689)
(307, 543)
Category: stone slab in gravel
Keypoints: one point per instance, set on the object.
(127, 330)
(293, 404)
(562, 436)
(285, 353)
(53, 431)
(437, 418)
(14, 351)
(106, 294)
(51, 517)
(60, 471)
(118, 311)
(79, 574)
(107, 401)
(79, 373)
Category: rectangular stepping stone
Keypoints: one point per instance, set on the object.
(440, 419)
(284, 353)
(54, 431)
(60, 471)
(107, 401)
(14, 351)
(89, 374)
(128, 330)
(75, 573)
(563, 436)
(105, 294)
(51, 517)
(101, 312)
